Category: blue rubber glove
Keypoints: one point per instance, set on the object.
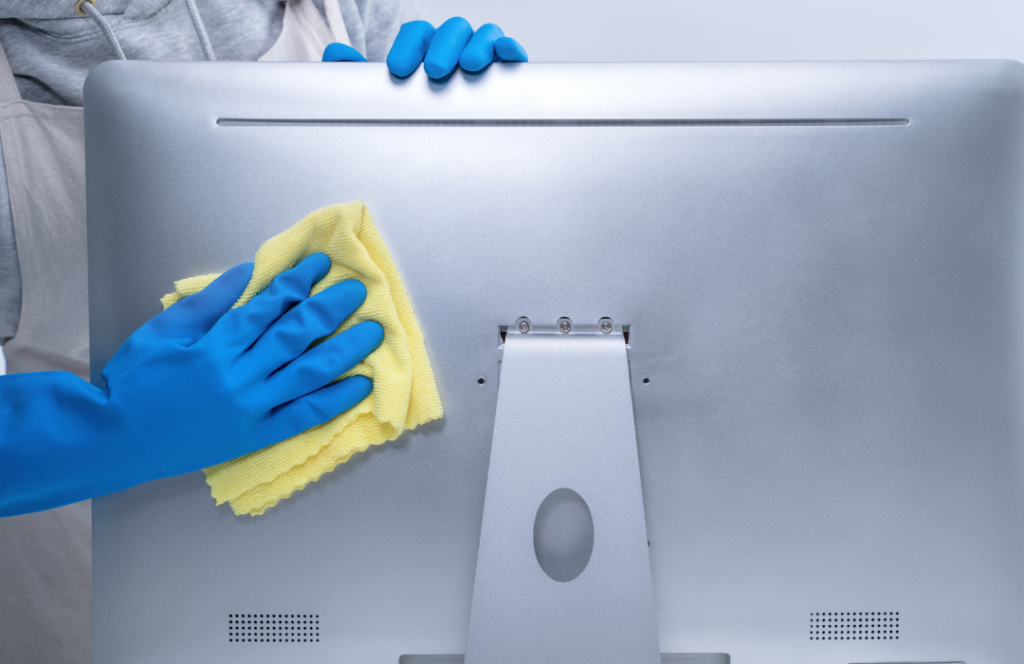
(197, 385)
(454, 43)
(440, 51)
(342, 53)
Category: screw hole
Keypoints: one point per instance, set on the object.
(646, 380)
(480, 380)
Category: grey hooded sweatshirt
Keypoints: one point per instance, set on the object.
(45, 558)
(51, 50)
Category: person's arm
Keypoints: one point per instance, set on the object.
(197, 385)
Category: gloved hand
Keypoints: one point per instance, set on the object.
(454, 43)
(341, 53)
(197, 385)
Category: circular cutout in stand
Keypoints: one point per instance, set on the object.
(563, 535)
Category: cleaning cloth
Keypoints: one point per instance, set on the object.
(404, 392)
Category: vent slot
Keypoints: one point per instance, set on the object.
(273, 628)
(472, 122)
(855, 626)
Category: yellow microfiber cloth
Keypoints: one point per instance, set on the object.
(404, 392)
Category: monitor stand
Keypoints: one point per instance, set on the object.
(563, 572)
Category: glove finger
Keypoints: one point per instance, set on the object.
(325, 404)
(189, 319)
(242, 326)
(480, 51)
(341, 53)
(446, 47)
(410, 46)
(323, 363)
(509, 50)
(311, 319)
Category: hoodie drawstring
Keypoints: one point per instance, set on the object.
(89, 7)
(197, 23)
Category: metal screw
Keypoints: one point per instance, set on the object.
(564, 325)
(524, 325)
(606, 325)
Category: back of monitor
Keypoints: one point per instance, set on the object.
(819, 268)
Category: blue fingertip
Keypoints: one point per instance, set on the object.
(360, 385)
(344, 394)
(193, 316)
(348, 295)
(369, 332)
(410, 47)
(233, 280)
(352, 287)
(242, 271)
(342, 53)
(490, 30)
(509, 50)
(446, 47)
(318, 263)
(480, 51)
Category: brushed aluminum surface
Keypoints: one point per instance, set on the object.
(824, 328)
(564, 420)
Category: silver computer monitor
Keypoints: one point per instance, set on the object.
(819, 267)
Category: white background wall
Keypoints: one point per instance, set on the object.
(688, 30)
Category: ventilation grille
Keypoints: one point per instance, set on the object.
(856, 626)
(273, 628)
